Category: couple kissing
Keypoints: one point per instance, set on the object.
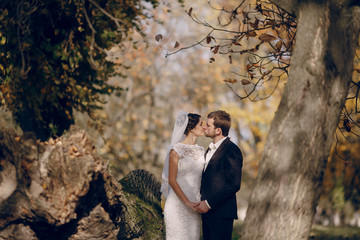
(200, 186)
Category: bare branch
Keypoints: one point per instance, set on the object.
(117, 21)
(265, 24)
(191, 46)
(87, 18)
(91, 60)
(20, 15)
(289, 6)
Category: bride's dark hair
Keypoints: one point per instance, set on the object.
(193, 121)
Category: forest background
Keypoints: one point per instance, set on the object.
(133, 129)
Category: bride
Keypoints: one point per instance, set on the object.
(182, 178)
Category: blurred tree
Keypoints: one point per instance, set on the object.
(137, 125)
(341, 183)
(342, 177)
(143, 116)
(53, 57)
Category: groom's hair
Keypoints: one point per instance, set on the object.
(222, 120)
(193, 121)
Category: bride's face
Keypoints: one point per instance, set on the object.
(198, 130)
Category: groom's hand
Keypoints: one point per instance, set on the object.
(202, 207)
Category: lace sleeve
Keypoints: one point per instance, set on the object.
(179, 150)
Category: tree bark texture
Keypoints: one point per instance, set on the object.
(61, 189)
(282, 204)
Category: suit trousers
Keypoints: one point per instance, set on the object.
(217, 228)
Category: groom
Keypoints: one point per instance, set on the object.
(221, 179)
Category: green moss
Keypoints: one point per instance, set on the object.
(319, 232)
(145, 216)
(143, 208)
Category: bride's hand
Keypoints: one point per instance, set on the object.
(192, 205)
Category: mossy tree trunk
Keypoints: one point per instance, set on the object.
(61, 189)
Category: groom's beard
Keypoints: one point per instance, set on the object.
(209, 135)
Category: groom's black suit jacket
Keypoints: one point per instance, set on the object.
(221, 180)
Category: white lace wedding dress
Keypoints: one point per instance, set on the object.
(181, 222)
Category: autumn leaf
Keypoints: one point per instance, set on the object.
(266, 37)
(245, 82)
(230, 59)
(251, 75)
(65, 67)
(357, 70)
(251, 34)
(190, 10)
(216, 49)
(158, 37)
(228, 80)
(208, 39)
(253, 25)
(279, 45)
(177, 44)
(266, 13)
(270, 22)
(347, 125)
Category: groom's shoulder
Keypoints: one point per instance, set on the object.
(233, 145)
(230, 142)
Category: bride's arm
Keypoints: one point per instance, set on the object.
(173, 169)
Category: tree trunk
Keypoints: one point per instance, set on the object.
(60, 189)
(283, 202)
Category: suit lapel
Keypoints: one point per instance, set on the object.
(217, 153)
(207, 150)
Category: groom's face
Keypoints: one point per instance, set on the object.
(209, 128)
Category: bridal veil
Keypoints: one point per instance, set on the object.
(177, 136)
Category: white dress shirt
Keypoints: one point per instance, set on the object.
(212, 149)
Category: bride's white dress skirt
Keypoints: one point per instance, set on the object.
(181, 222)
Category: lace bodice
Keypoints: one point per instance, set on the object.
(190, 167)
(186, 150)
(181, 221)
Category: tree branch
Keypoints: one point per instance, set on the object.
(117, 21)
(87, 18)
(288, 5)
(21, 14)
